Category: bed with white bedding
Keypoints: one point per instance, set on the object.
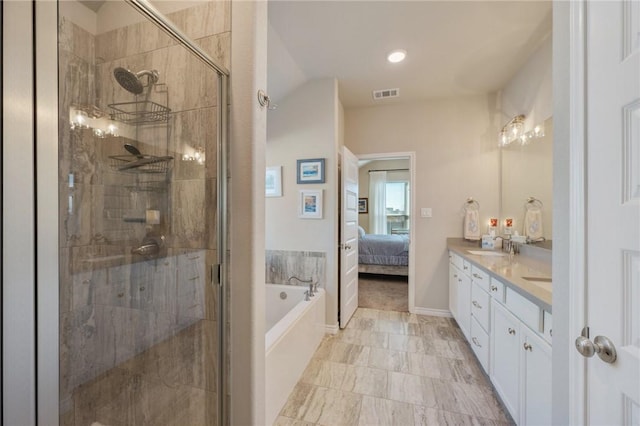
(383, 254)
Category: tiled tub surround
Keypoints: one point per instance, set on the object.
(282, 264)
(295, 329)
(138, 338)
(394, 368)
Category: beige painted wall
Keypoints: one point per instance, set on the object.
(456, 157)
(306, 125)
(363, 181)
(248, 122)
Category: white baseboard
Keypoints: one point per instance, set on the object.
(432, 312)
(331, 329)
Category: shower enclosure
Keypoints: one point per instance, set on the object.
(142, 116)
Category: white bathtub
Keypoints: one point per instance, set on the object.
(294, 331)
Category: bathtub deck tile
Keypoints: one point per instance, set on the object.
(324, 373)
(366, 381)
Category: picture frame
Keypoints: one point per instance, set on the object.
(310, 204)
(310, 171)
(363, 205)
(273, 182)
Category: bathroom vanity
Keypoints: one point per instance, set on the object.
(503, 307)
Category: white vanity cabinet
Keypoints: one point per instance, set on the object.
(520, 368)
(535, 380)
(505, 360)
(509, 334)
(460, 292)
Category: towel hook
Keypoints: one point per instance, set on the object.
(265, 101)
(472, 204)
(533, 202)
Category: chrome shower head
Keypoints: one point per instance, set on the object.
(130, 81)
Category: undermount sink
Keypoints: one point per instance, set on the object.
(486, 253)
(543, 282)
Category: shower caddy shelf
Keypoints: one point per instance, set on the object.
(140, 112)
(133, 164)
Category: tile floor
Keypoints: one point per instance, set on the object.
(394, 368)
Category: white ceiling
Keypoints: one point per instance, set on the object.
(454, 47)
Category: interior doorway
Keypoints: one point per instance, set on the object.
(385, 224)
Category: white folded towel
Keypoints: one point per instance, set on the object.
(471, 225)
(533, 224)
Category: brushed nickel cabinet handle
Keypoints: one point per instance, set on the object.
(511, 331)
(475, 342)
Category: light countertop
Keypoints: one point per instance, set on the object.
(511, 273)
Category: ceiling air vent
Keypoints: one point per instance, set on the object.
(385, 93)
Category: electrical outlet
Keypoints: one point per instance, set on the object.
(426, 212)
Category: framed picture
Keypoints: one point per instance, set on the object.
(311, 171)
(273, 182)
(363, 205)
(310, 204)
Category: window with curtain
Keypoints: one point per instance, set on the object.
(397, 206)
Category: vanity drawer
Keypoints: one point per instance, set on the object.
(461, 263)
(547, 326)
(456, 260)
(480, 305)
(497, 289)
(527, 311)
(480, 344)
(481, 277)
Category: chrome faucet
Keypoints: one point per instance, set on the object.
(309, 281)
(306, 296)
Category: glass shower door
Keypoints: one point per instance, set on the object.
(138, 134)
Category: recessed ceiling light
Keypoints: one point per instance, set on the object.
(396, 56)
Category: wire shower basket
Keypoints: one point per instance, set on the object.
(140, 112)
(133, 164)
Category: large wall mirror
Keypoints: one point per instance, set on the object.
(527, 177)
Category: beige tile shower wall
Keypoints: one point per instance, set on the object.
(456, 157)
(114, 307)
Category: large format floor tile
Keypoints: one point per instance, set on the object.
(394, 368)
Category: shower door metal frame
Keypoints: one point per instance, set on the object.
(44, 249)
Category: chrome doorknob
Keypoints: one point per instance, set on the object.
(347, 247)
(601, 345)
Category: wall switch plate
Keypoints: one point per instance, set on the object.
(426, 212)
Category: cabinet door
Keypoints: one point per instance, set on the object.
(464, 304)
(453, 290)
(535, 376)
(505, 356)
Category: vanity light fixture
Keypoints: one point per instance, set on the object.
(514, 131)
(396, 56)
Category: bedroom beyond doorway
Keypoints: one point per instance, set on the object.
(385, 222)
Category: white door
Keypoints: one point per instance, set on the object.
(613, 214)
(348, 237)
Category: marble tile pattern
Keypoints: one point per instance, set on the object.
(138, 337)
(282, 264)
(394, 368)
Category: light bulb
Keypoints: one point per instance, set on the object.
(397, 56)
